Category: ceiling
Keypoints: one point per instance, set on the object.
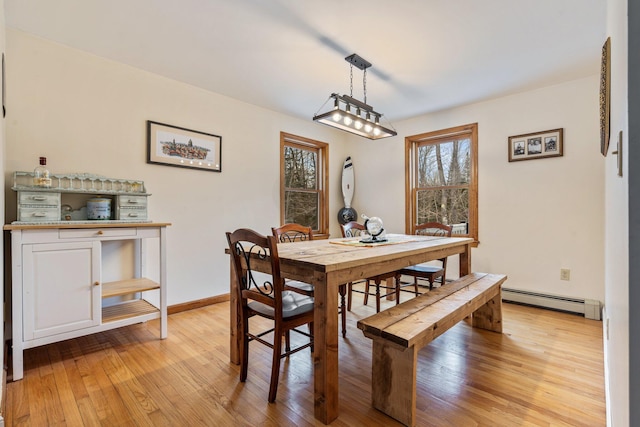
(288, 55)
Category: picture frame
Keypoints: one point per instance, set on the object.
(185, 148)
(537, 145)
(605, 96)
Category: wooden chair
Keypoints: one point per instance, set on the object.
(293, 232)
(430, 273)
(355, 229)
(263, 295)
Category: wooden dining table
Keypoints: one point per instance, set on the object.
(327, 264)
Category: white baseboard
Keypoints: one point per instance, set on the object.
(589, 308)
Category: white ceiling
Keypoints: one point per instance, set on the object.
(288, 55)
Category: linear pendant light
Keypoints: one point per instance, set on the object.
(351, 115)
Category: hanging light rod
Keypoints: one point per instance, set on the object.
(351, 115)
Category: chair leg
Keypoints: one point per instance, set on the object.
(415, 286)
(377, 295)
(349, 295)
(343, 312)
(366, 293)
(287, 341)
(244, 349)
(275, 365)
(397, 281)
(311, 333)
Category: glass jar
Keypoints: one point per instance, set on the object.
(41, 176)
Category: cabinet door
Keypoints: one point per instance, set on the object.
(61, 288)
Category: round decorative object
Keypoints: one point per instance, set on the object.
(374, 226)
(346, 215)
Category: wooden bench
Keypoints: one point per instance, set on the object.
(399, 332)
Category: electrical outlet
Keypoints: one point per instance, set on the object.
(565, 274)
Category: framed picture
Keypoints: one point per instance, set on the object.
(536, 145)
(605, 96)
(185, 148)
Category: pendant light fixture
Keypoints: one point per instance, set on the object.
(351, 115)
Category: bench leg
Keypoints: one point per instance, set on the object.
(393, 381)
(489, 316)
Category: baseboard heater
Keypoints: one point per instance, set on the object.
(589, 307)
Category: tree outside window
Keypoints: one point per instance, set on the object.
(442, 179)
(303, 182)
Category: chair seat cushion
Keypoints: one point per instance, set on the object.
(418, 270)
(299, 286)
(293, 304)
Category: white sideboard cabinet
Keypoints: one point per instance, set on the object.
(57, 288)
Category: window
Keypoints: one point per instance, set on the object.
(303, 182)
(442, 179)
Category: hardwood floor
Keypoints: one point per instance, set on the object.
(545, 369)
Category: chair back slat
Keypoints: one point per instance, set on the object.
(292, 232)
(248, 250)
(433, 229)
(353, 229)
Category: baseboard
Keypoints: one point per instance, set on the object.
(185, 306)
(591, 309)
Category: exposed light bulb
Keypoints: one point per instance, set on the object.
(376, 131)
(336, 116)
(368, 127)
(358, 124)
(348, 120)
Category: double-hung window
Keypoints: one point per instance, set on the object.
(303, 182)
(442, 179)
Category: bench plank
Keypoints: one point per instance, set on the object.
(377, 323)
(411, 323)
(424, 326)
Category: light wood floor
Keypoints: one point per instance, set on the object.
(546, 369)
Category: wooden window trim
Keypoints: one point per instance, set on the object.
(287, 139)
(435, 137)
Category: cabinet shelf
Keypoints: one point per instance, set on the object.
(127, 310)
(126, 287)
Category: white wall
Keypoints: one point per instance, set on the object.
(617, 226)
(536, 216)
(88, 114)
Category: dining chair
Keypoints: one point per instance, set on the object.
(262, 294)
(431, 273)
(292, 232)
(355, 229)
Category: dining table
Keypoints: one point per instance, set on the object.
(329, 263)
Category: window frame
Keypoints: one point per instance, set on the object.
(436, 137)
(322, 170)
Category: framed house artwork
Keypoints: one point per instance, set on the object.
(185, 148)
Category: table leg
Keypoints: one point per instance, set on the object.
(326, 392)
(465, 261)
(234, 319)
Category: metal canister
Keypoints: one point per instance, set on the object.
(99, 208)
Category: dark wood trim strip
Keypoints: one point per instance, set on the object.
(190, 305)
